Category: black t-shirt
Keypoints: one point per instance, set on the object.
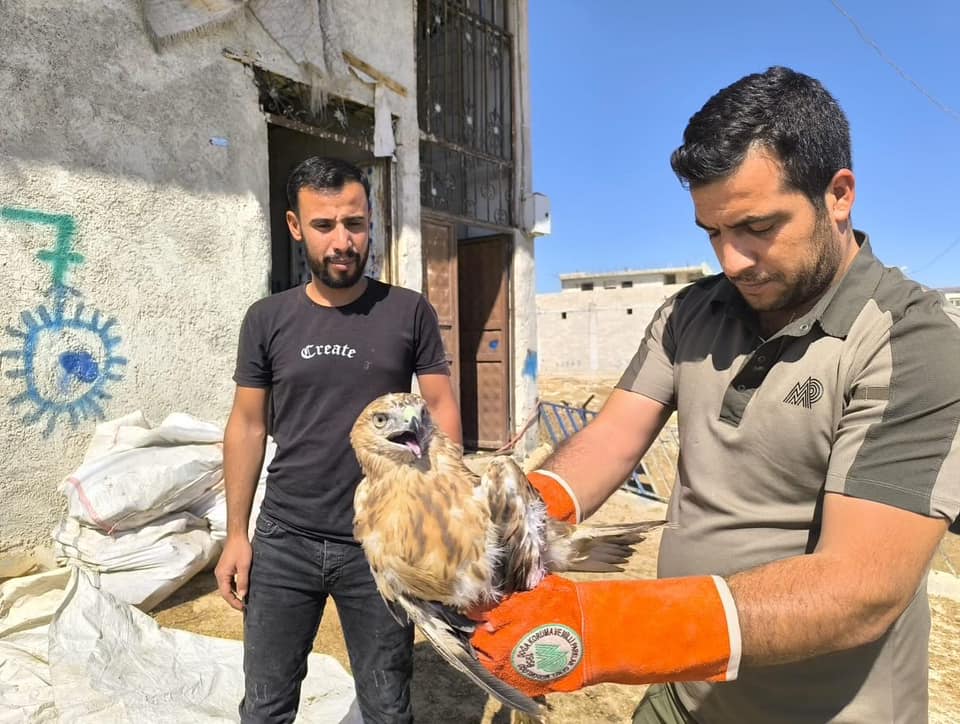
(323, 365)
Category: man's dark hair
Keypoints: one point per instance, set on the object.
(787, 113)
(323, 175)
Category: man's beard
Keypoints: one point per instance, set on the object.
(322, 271)
(812, 280)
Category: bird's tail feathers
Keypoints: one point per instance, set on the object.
(449, 632)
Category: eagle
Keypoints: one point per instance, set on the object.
(443, 542)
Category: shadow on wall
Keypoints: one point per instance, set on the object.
(106, 105)
(185, 117)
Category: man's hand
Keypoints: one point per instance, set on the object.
(556, 494)
(233, 570)
(563, 635)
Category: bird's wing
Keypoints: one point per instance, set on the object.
(594, 548)
(449, 632)
(520, 515)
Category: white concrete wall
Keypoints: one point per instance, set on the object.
(383, 34)
(525, 363)
(109, 142)
(598, 337)
(164, 236)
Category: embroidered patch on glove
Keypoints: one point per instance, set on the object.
(547, 653)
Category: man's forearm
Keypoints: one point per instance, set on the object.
(869, 562)
(809, 605)
(598, 459)
(591, 468)
(243, 451)
(447, 416)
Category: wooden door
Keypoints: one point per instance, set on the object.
(440, 285)
(484, 341)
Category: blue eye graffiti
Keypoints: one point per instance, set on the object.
(65, 356)
(81, 365)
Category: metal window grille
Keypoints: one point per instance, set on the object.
(652, 477)
(465, 107)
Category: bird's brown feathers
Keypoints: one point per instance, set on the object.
(442, 541)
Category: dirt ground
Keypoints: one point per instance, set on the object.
(441, 694)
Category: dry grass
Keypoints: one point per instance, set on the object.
(577, 391)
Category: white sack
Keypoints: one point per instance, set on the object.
(104, 661)
(133, 473)
(213, 505)
(27, 606)
(140, 567)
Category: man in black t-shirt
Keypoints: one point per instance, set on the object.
(310, 359)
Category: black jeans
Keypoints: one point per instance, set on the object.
(290, 578)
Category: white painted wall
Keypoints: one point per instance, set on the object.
(598, 338)
(525, 363)
(170, 232)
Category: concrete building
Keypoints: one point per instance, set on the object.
(952, 294)
(144, 146)
(630, 278)
(591, 328)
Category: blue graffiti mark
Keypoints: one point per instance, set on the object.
(494, 343)
(80, 365)
(61, 257)
(530, 364)
(66, 360)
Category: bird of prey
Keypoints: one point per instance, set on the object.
(442, 541)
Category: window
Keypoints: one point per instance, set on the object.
(669, 278)
(627, 284)
(586, 287)
(629, 310)
(465, 108)
(563, 315)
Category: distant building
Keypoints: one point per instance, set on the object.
(627, 279)
(592, 327)
(952, 294)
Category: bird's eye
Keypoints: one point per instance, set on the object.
(379, 420)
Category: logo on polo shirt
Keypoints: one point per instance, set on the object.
(547, 653)
(804, 394)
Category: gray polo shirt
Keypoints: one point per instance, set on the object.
(859, 396)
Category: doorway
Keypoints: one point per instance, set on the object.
(466, 279)
(286, 147)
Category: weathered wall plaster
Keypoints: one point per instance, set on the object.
(134, 197)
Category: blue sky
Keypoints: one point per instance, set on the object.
(613, 83)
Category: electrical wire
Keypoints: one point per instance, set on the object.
(938, 257)
(886, 59)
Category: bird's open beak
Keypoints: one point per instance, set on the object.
(416, 445)
(412, 437)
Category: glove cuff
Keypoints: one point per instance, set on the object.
(680, 629)
(733, 629)
(557, 494)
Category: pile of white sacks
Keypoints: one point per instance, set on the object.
(146, 508)
(146, 512)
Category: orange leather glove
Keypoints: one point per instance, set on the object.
(563, 635)
(561, 503)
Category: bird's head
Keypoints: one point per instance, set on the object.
(395, 426)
